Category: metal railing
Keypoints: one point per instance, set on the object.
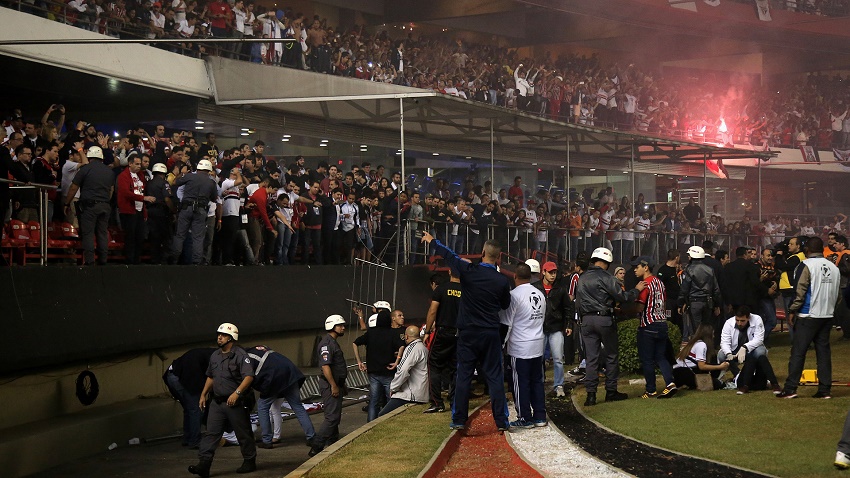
(43, 210)
(519, 244)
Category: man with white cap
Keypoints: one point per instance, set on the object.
(378, 307)
(229, 378)
(699, 292)
(96, 183)
(331, 383)
(534, 265)
(159, 213)
(596, 292)
(199, 190)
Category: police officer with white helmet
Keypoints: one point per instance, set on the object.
(331, 383)
(199, 189)
(229, 378)
(596, 292)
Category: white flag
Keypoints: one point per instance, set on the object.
(684, 5)
(763, 9)
(713, 3)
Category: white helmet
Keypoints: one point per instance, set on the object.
(332, 321)
(696, 252)
(204, 165)
(533, 265)
(95, 152)
(602, 253)
(229, 329)
(382, 304)
(159, 168)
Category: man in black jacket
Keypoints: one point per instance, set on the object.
(185, 380)
(558, 314)
(741, 281)
(699, 291)
(384, 346)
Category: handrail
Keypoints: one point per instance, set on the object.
(35, 185)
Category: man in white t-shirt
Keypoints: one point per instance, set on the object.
(69, 170)
(525, 343)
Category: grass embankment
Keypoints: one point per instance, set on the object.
(399, 447)
(788, 438)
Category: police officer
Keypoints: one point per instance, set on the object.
(596, 292)
(199, 190)
(331, 383)
(229, 378)
(699, 291)
(159, 212)
(96, 182)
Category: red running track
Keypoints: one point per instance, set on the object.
(483, 452)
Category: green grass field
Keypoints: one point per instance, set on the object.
(788, 438)
(399, 447)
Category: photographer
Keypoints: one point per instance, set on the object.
(788, 255)
(769, 289)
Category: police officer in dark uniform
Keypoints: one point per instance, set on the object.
(486, 292)
(596, 292)
(441, 325)
(331, 383)
(96, 183)
(159, 212)
(200, 189)
(229, 378)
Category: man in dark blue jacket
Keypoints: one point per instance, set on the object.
(485, 292)
(185, 380)
(277, 378)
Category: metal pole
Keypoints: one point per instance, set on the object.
(109, 40)
(759, 160)
(567, 181)
(398, 202)
(493, 191)
(632, 174)
(704, 184)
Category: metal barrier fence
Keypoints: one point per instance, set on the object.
(559, 245)
(45, 209)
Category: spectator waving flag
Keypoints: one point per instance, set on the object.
(842, 156)
(810, 154)
(763, 9)
(713, 3)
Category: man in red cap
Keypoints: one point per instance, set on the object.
(558, 313)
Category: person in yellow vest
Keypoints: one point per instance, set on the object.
(786, 261)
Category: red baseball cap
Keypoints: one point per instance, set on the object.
(549, 266)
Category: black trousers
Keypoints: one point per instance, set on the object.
(134, 236)
(442, 365)
(229, 228)
(159, 234)
(219, 416)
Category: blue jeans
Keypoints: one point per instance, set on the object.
(284, 236)
(573, 247)
(192, 414)
(379, 385)
(293, 397)
(392, 404)
(652, 345)
(767, 309)
(556, 348)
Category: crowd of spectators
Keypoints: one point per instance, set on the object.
(712, 107)
(285, 207)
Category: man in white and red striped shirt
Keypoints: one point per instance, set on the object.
(652, 331)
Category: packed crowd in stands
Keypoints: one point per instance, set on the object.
(270, 210)
(711, 107)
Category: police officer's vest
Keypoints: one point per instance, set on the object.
(784, 280)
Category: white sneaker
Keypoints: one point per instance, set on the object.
(842, 460)
(559, 391)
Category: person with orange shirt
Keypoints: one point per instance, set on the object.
(574, 226)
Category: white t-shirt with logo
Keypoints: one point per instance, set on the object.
(697, 354)
(524, 318)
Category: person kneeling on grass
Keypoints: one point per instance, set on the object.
(410, 383)
(692, 360)
(652, 332)
(742, 345)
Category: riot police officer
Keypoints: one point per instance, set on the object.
(596, 292)
(199, 189)
(96, 183)
(331, 383)
(229, 378)
(159, 212)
